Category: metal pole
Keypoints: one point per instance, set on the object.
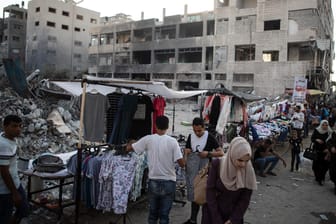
(173, 126)
(79, 155)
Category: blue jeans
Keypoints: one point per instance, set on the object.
(262, 163)
(7, 206)
(161, 196)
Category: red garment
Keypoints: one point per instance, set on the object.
(159, 104)
(207, 107)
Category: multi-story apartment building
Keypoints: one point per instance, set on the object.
(58, 36)
(13, 33)
(256, 45)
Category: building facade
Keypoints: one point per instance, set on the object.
(245, 45)
(13, 33)
(58, 36)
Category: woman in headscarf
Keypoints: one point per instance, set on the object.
(331, 142)
(319, 138)
(230, 184)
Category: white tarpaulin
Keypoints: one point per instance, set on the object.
(108, 85)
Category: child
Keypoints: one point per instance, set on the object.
(296, 144)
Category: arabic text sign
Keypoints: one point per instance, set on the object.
(299, 91)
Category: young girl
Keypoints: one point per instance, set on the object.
(296, 145)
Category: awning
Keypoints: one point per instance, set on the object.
(108, 85)
(244, 96)
(311, 92)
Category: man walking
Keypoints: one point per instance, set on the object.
(162, 151)
(200, 148)
(12, 193)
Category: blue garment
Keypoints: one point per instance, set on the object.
(123, 119)
(161, 197)
(7, 205)
(262, 163)
(255, 136)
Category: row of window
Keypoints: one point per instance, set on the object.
(167, 32)
(14, 38)
(54, 39)
(67, 14)
(53, 25)
(191, 55)
(51, 52)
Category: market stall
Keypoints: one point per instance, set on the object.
(226, 113)
(92, 87)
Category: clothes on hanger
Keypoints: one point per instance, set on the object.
(113, 99)
(122, 124)
(159, 105)
(95, 107)
(142, 118)
(106, 179)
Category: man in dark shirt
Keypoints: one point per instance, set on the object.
(264, 155)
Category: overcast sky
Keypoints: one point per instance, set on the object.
(151, 8)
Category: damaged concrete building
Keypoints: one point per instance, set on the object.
(245, 45)
(13, 33)
(58, 36)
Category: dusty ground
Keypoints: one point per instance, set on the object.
(289, 198)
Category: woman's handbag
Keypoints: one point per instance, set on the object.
(310, 153)
(200, 183)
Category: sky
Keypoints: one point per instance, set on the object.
(151, 8)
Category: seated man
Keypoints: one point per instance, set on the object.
(264, 155)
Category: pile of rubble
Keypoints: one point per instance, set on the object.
(49, 125)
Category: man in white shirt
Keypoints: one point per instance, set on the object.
(162, 151)
(11, 191)
(297, 120)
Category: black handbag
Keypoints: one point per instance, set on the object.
(310, 152)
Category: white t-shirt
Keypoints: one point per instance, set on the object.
(8, 158)
(298, 123)
(162, 151)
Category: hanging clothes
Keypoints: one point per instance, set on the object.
(116, 174)
(123, 120)
(207, 107)
(215, 111)
(224, 115)
(113, 99)
(159, 105)
(142, 118)
(94, 116)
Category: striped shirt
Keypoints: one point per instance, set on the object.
(8, 158)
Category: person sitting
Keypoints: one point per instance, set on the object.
(264, 155)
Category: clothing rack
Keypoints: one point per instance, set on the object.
(126, 84)
(80, 151)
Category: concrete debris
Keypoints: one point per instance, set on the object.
(39, 133)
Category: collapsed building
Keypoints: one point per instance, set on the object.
(49, 124)
(245, 45)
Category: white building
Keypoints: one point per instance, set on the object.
(58, 36)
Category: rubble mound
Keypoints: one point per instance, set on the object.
(40, 134)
